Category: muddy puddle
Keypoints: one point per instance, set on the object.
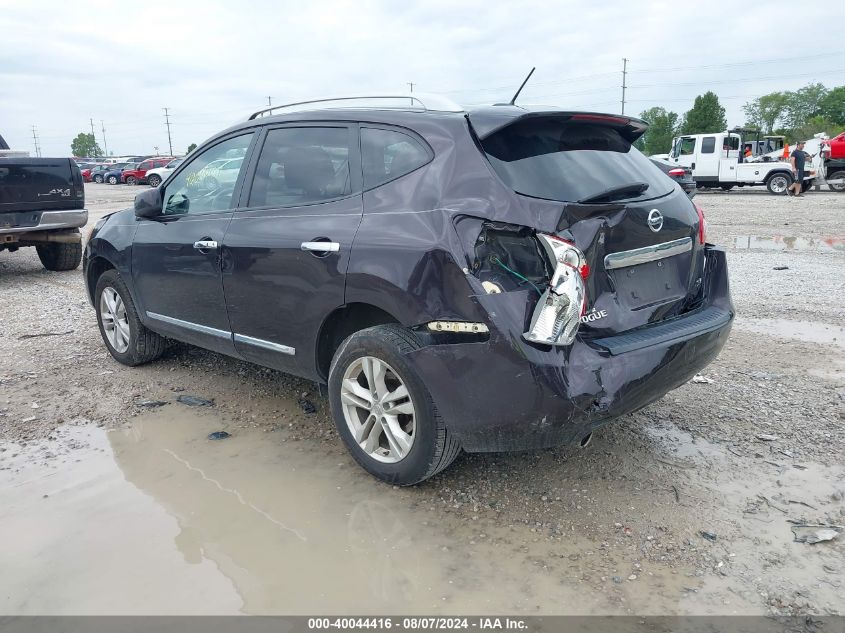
(828, 244)
(154, 518)
(805, 331)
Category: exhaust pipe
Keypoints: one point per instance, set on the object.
(585, 441)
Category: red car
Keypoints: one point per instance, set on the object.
(138, 175)
(86, 175)
(837, 146)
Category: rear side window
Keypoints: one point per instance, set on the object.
(388, 154)
(558, 159)
(300, 166)
(145, 165)
(708, 145)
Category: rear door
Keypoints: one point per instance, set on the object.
(287, 249)
(707, 161)
(176, 258)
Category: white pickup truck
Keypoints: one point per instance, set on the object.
(718, 160)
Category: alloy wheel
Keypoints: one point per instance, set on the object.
(378, 409)
(114, 319)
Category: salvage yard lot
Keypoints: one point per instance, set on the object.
(682, 507)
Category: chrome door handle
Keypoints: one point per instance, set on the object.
(321, 247)
(205, 245)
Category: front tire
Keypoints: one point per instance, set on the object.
(383, 411)
(154, 180)
(112, 180)
(126, 338)
(58, 256)
(777, 184)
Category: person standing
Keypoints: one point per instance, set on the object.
(799, 164)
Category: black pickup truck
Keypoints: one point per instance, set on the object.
(42, 204)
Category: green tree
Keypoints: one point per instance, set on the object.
(832, 106)
(706, 115)
(85, 145)
(803, 104)
(191, 147)
(662, 127)
(811, 126)
(764, 112)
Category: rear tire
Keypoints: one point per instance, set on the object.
(154, 180)
(143, 345)
(131, 180)
(727, 187)
(57, 256)
(805, 186)
(432, 446)
(778, 183)
(837, 175)
(98, 179)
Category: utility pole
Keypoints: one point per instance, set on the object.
(105, 145)
(93, 138)
(624, 82)
(167, 122)
(269, 101)
(411, 83)
(35, 141)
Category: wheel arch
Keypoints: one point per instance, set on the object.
(93, 271)
(341, 323)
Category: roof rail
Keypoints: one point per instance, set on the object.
(427, 102)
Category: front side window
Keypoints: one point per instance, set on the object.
(202, 187)
(388, 154)
(687, 146)
(303, 165)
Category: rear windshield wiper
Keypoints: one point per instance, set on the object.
(630, 190)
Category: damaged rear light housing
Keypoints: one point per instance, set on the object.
(702, 225)
(558, 312)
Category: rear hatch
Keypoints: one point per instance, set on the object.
(40, 184)
(638, 230)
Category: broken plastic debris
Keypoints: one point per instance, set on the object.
(195, 401)
(151, 404)
(814, 534)
(767, 437)
(218, 435)
(702, 379)
(307, 406)
(708, 535)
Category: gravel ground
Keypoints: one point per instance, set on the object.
(682, 507)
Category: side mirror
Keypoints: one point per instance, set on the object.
(148, 203)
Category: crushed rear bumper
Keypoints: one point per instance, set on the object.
(505, 394)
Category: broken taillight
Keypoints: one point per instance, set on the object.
(558, 312)
(702, 225)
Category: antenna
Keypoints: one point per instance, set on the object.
(513, 101)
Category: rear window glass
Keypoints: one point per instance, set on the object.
(708, 144)
(569, 161)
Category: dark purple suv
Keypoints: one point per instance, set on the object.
(495, 279)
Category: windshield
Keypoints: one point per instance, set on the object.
(560, 159)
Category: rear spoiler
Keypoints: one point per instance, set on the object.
(489, 120)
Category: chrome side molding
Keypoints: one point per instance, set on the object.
(646, 254)
(188, 325)
(237, 338)
(258, 342)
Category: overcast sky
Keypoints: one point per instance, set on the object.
(212, 63)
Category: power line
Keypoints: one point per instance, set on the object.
(167, 123)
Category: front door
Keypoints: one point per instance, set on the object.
(287, 250)
(176, 265)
